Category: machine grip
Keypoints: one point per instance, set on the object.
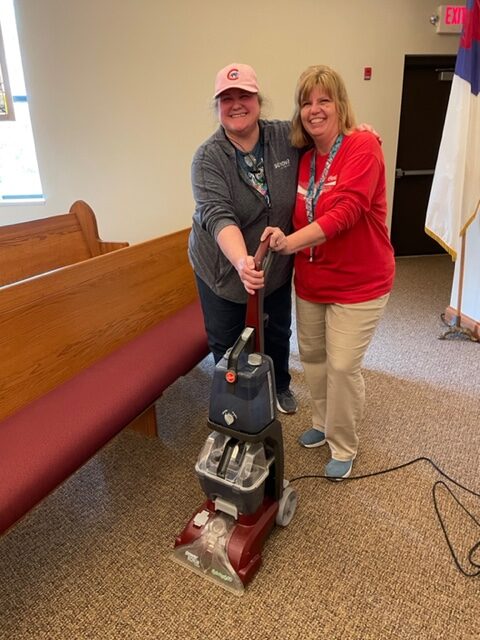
(261, 252)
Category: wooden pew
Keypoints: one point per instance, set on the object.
(86, 350)
(30, 248)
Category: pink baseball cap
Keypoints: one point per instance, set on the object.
(236, 75)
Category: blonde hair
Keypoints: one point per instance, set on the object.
(331, 82)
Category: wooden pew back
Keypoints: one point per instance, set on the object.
(30, 248)
(57, 324)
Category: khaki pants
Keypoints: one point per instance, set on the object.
(332, 340)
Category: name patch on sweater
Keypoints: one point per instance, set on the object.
(283, 164)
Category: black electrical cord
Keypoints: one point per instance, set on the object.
(439, 483)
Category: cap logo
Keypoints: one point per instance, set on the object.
(233, 74)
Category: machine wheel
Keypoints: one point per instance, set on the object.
(286, 506)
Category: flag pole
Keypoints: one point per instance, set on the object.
(455, 329)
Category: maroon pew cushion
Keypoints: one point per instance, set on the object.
(46, 441)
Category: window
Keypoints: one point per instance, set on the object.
(19, 176)
(6, 105)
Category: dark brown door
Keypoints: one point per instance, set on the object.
(427, 81)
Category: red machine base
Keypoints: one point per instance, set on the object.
(220, 547)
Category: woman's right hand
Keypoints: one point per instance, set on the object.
(251, 279)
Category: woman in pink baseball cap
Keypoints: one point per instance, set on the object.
(244, 178)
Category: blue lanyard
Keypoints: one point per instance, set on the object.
(314, 191)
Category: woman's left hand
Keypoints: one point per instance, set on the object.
(278, 240)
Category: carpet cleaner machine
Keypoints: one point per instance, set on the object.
(240, 467)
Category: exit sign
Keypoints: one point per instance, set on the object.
(450, 18)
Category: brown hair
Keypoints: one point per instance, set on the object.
(331, 82)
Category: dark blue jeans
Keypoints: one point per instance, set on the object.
(225, 321)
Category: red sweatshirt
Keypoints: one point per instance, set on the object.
(356, 262)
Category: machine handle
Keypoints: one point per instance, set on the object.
(261, 252)
(252, 337)
(254, 316)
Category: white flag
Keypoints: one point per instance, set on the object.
(455, 196)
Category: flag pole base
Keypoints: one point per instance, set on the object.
(456, 331)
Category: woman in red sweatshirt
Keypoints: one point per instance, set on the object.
(344, 264)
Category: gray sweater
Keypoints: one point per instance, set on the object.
(223, 197)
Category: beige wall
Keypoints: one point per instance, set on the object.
(120, 90)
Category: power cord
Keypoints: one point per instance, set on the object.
(439, 483)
